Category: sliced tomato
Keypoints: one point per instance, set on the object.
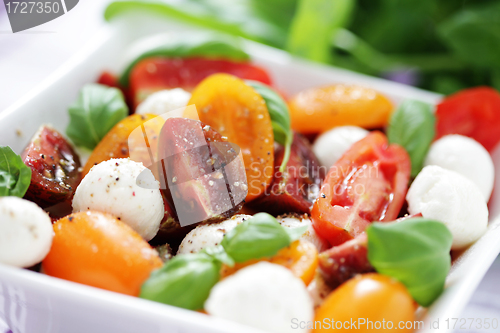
(297, 188)
(471, 112)
(341, 263)
(368, 183)
(55, 168)
(153, 74)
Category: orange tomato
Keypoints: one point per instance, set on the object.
(301, 257)
(98, 250)
(374, 298)
(320, 109)
(126, 139)
(238, 112)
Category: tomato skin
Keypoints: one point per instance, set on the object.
(372, 297)
(238, 112)
(296, 189)
(54, 168)
(301, 257)
(157, 73)
(319, 109)
(368, 183)
(471, 112)
(343, 262)
(98, 250)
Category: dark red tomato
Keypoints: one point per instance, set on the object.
(108, 79)
(296, 189)
(111, 80)
(368, 183)
(206, 179)
(340, 263)
(54, 167)
(153, 74)
(471, 112)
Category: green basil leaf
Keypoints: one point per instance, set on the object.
(208, 45)
(97, 109)
(239, 18)
(313, 25)
(219, 254)
(185, 281)
(295, 233)
(15, 176)
(412, 127)
(415, 252)
(259, 237)
(280, 117)
(474, 35)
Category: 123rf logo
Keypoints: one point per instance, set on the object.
(28, 14)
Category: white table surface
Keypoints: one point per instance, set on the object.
(27, 58)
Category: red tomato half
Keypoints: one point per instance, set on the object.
(471, 112)
(154, 74)
(368, 183)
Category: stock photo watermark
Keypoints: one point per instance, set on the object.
(24, 15)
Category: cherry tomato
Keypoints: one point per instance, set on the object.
(116, 142)
(343, 262)
(368, 183)
(320, 109)
(295, 189)
(239, 113)
(153, 74)
(471, 112)
(367, 298)
(301, 257)
(98, 250)
(54, 168)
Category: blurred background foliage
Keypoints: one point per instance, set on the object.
(439, 45)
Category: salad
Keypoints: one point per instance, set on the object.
(192, 180)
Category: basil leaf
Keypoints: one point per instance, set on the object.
(208, 45)
(295, 233)
(185, 281)
(219, 254)
(241, 18)
(412, 126)
(415, 252)
(474, 35)
(15, 176)
(261, 236)
(280, 117)
(97, 109)
(314, 24)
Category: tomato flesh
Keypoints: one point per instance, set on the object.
(341, 263)
(54, 167)
(295, 189)
(157, 73)
(368, 183)
(471, 112)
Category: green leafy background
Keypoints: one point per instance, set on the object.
(442, 45)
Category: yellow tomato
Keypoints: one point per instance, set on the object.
(301, 257)
(98, 250)
(238, 112)
(374, 302)
(320, 109)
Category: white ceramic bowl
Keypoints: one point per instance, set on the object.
(33, 302)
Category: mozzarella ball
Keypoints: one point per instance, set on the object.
(265, 296)
(164, 101)
(331, 145)
(113, 187)
(310, 235)
(25, 232)
(465, 156)
(449, 197)
(207, 235)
